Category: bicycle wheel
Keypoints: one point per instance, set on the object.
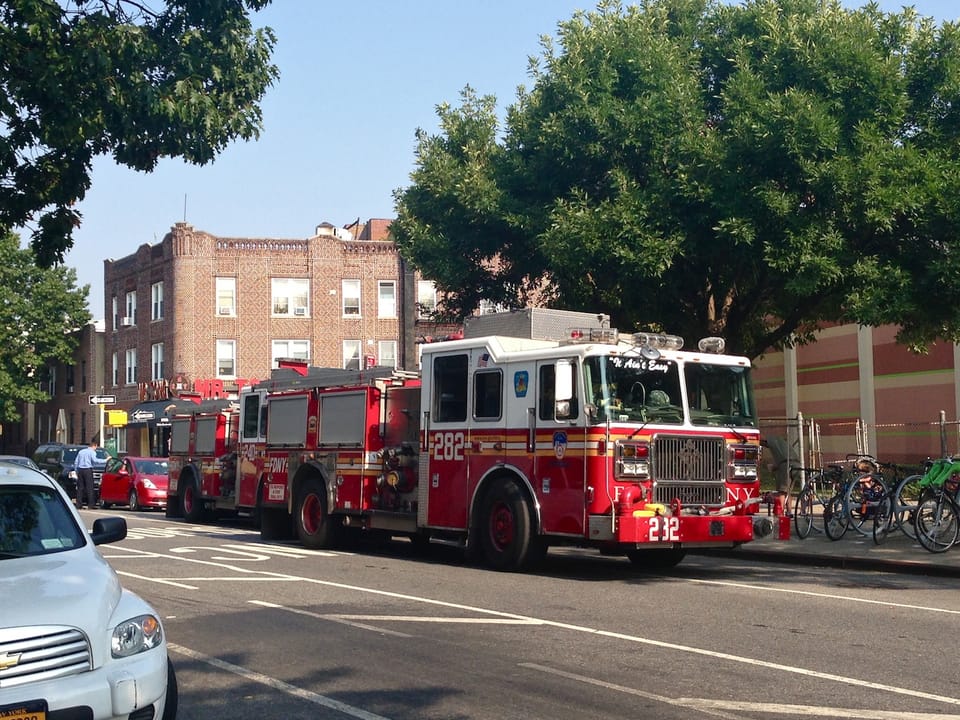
(834, 519)
(906, 500)
(937, 523)
(883, 519)
(803, 510)
(861, 500)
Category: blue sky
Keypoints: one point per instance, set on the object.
(357, 80)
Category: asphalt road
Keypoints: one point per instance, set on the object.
(275, 631)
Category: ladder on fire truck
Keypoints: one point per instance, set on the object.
(296, 374)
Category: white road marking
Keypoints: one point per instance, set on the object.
(276, 684)
(908, 692)
(158, 580)
(717, 707)
(811, 593)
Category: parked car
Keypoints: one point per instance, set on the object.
(58, 460)
(140, 482)
(74, 643)
(19, 460)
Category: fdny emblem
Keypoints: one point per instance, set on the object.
(559, 444)
(521, 380)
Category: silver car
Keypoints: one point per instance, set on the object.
(73, 642)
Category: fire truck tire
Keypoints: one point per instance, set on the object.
(656, 560)
(506, 528)
(190, 502)
(315, 527)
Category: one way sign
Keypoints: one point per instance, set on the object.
(103, 399)
(142, 415)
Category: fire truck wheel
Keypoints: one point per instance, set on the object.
(506, 527)
(191, 504)
(314, 526)
(656, 560)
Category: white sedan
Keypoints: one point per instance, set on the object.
(73, 642)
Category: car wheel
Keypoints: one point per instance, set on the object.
(134, 500)
(173, 694)
(103, 503)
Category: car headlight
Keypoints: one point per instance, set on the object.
(136, 635)
(148, 484)
(72, 474)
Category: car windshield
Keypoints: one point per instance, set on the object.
(152, 467)
(719, 394)
(70, 455)
(102, 454)
(34, 521)
(634, 388)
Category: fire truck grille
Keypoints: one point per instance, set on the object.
(40, 653)
(689, 469)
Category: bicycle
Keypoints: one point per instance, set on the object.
(861, 492)
(937, 519)
(818, 487)
(897, 509)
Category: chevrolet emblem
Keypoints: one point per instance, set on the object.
(8, 661)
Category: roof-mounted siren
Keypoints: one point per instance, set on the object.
(714, 345)
(651, 344)
(605, 335)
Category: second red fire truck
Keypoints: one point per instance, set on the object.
(539, 428)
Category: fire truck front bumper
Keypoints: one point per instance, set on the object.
(641, 528)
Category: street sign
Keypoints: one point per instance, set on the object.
(142, 415)
(103, 399)
(117, 418)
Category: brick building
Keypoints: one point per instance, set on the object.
(207, 314)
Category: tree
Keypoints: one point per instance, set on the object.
(39, 307)
(80, 78)
(751, 171)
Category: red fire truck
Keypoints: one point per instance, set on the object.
(539, 428)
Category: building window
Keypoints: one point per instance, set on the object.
(83, 376)
(52, 381)
(71, 372)
(116, 370)
(295, 349)
(386, 299)
(115, 310)
(226, 358)
(351, 298)
(130, 316)
(387, 353)
(131, 364)
(290, 297)
(226, 296)
(156, 361)
(156, 301)
(426, 299)
(351, 354)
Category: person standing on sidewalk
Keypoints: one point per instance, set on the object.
(86, 459)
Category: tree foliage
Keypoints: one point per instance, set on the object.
(751, 170)
(39, 307)
(80, 78)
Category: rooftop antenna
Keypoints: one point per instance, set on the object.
(184, 207)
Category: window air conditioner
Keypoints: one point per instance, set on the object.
(225, 311)
(300, 311)
(126, 322)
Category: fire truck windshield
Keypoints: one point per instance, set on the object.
(629, 388)
(634, 389)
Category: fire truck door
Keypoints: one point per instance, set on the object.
(447, 437)
(559, 461)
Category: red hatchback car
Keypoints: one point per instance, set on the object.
(140, 482)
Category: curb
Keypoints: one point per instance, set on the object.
(843, 562)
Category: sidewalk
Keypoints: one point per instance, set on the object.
(897, 553)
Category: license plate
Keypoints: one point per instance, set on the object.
(33, 710)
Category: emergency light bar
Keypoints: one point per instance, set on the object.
(658, 340)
